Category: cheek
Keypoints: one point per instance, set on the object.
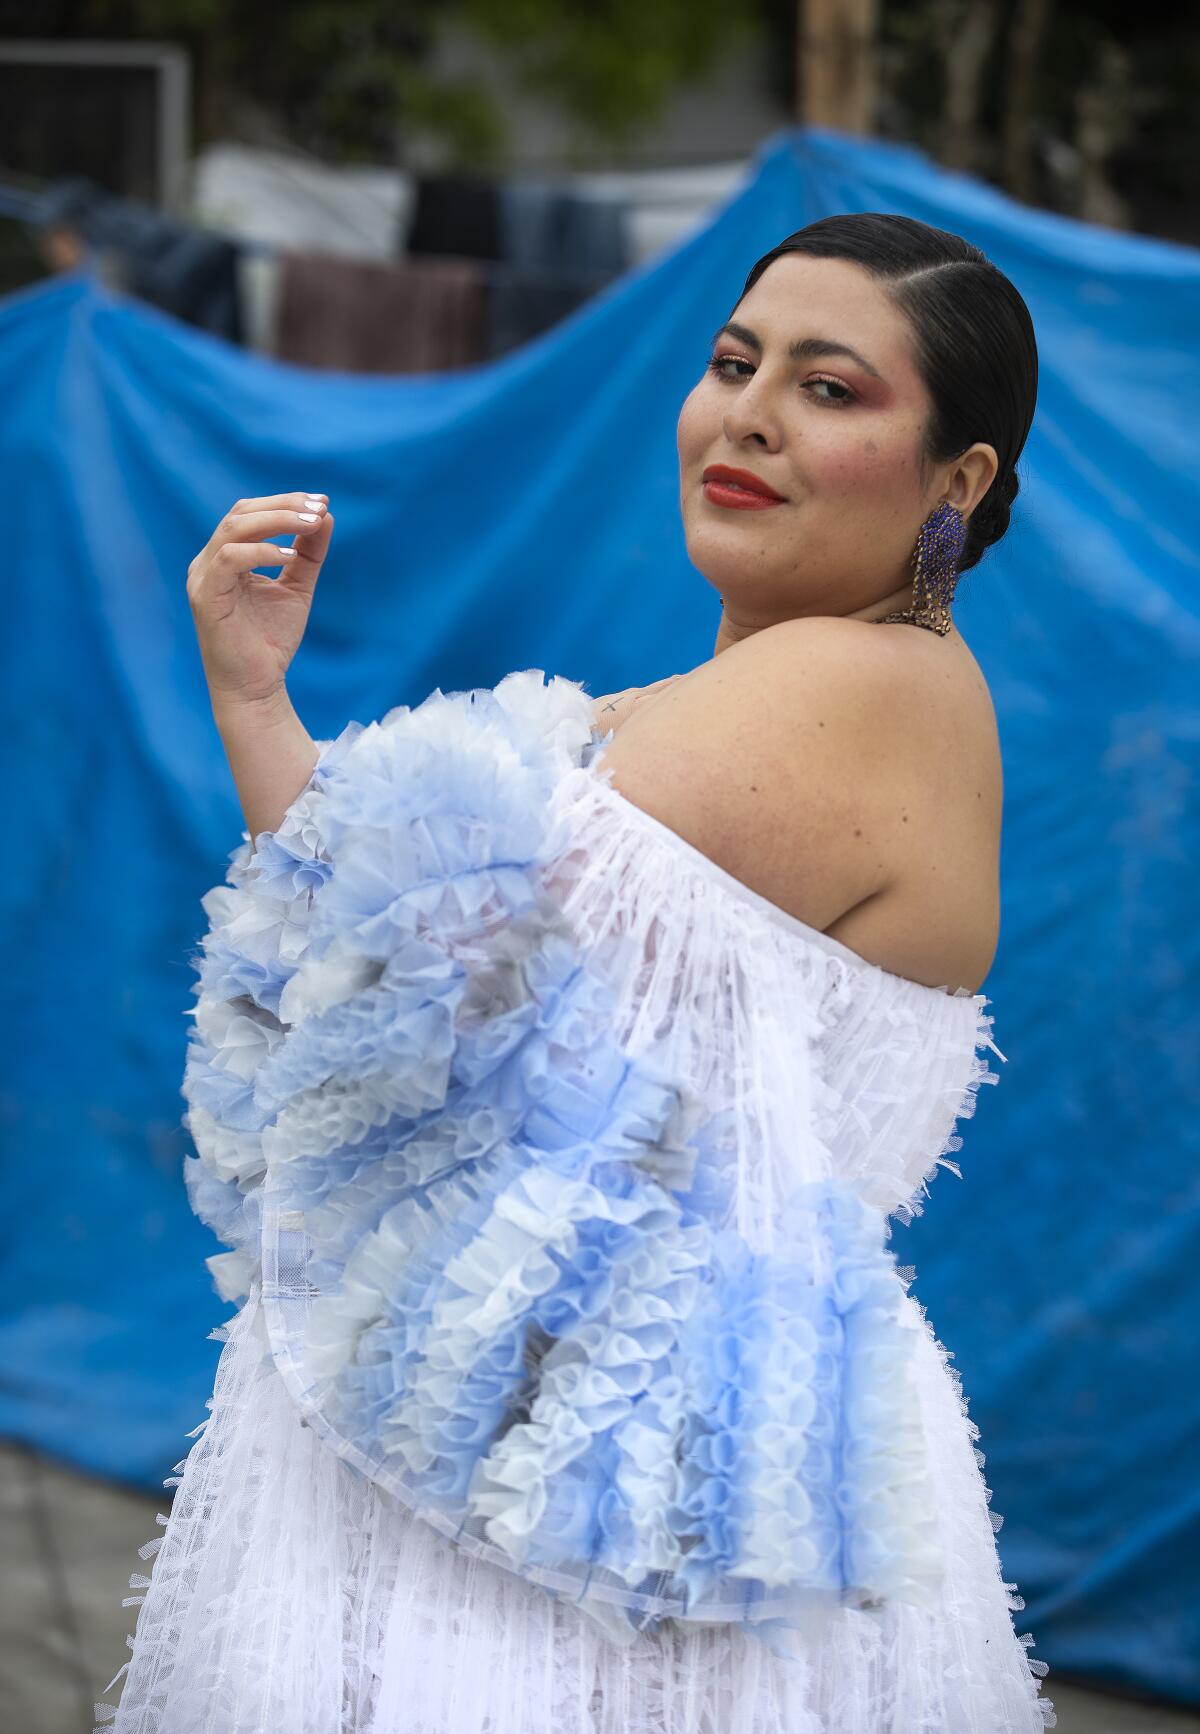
(693, 433)
(870, 468)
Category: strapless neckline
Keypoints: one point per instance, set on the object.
(788, 923)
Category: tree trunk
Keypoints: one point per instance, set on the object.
(1029, 26)
(965, 31)
(1103, 120)
(837, 75)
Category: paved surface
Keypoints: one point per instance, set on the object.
(68, 1545)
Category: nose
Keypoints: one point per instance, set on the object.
(750, 417)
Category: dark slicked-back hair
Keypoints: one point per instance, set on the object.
(974, 342)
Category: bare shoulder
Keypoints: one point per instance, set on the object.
(778, 759)
(838, 769)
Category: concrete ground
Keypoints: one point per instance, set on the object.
(68, 1545)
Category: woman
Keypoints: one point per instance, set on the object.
(557, 1065)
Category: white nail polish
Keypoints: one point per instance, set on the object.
(315, 505)
(307, 517)
(287, 552)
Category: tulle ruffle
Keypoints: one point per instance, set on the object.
(289, 1592)
(557, 1165)
(497, 1268)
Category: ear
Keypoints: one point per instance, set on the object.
(970, 476)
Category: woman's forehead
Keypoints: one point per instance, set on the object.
(799, 297)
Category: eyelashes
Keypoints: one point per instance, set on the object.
(718, 362)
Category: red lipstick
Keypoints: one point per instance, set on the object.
(740, 489)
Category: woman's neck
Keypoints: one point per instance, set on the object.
(733, 631)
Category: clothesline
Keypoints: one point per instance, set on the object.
(460, 269)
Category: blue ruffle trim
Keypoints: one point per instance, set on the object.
(491, 1263)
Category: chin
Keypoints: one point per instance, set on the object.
(734, 562)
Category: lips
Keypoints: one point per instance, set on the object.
(725, 486)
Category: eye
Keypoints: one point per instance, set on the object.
(837, 386)
(720, 361)
(842, 393)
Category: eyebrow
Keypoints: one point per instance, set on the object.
(804, 349)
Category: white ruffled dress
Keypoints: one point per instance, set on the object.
(573, 1387)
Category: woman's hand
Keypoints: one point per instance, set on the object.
(250, 626)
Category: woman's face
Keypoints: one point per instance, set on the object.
(837, 435)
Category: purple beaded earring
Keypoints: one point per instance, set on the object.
(936, 557)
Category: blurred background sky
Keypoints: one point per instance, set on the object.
(457, 265)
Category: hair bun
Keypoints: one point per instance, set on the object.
(990, 519)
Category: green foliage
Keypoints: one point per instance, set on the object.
(611, 66)
(365, 80)
(354, 79)
(459, 114)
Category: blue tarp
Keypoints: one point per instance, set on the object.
(525, 514)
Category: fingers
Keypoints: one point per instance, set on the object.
(219, 574)
(279, 503)
(310, 549)
(249, 522)
(247, 526)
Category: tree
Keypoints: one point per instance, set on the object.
(358, 80)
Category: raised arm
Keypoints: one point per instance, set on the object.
(249, 627)
(271, 755)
